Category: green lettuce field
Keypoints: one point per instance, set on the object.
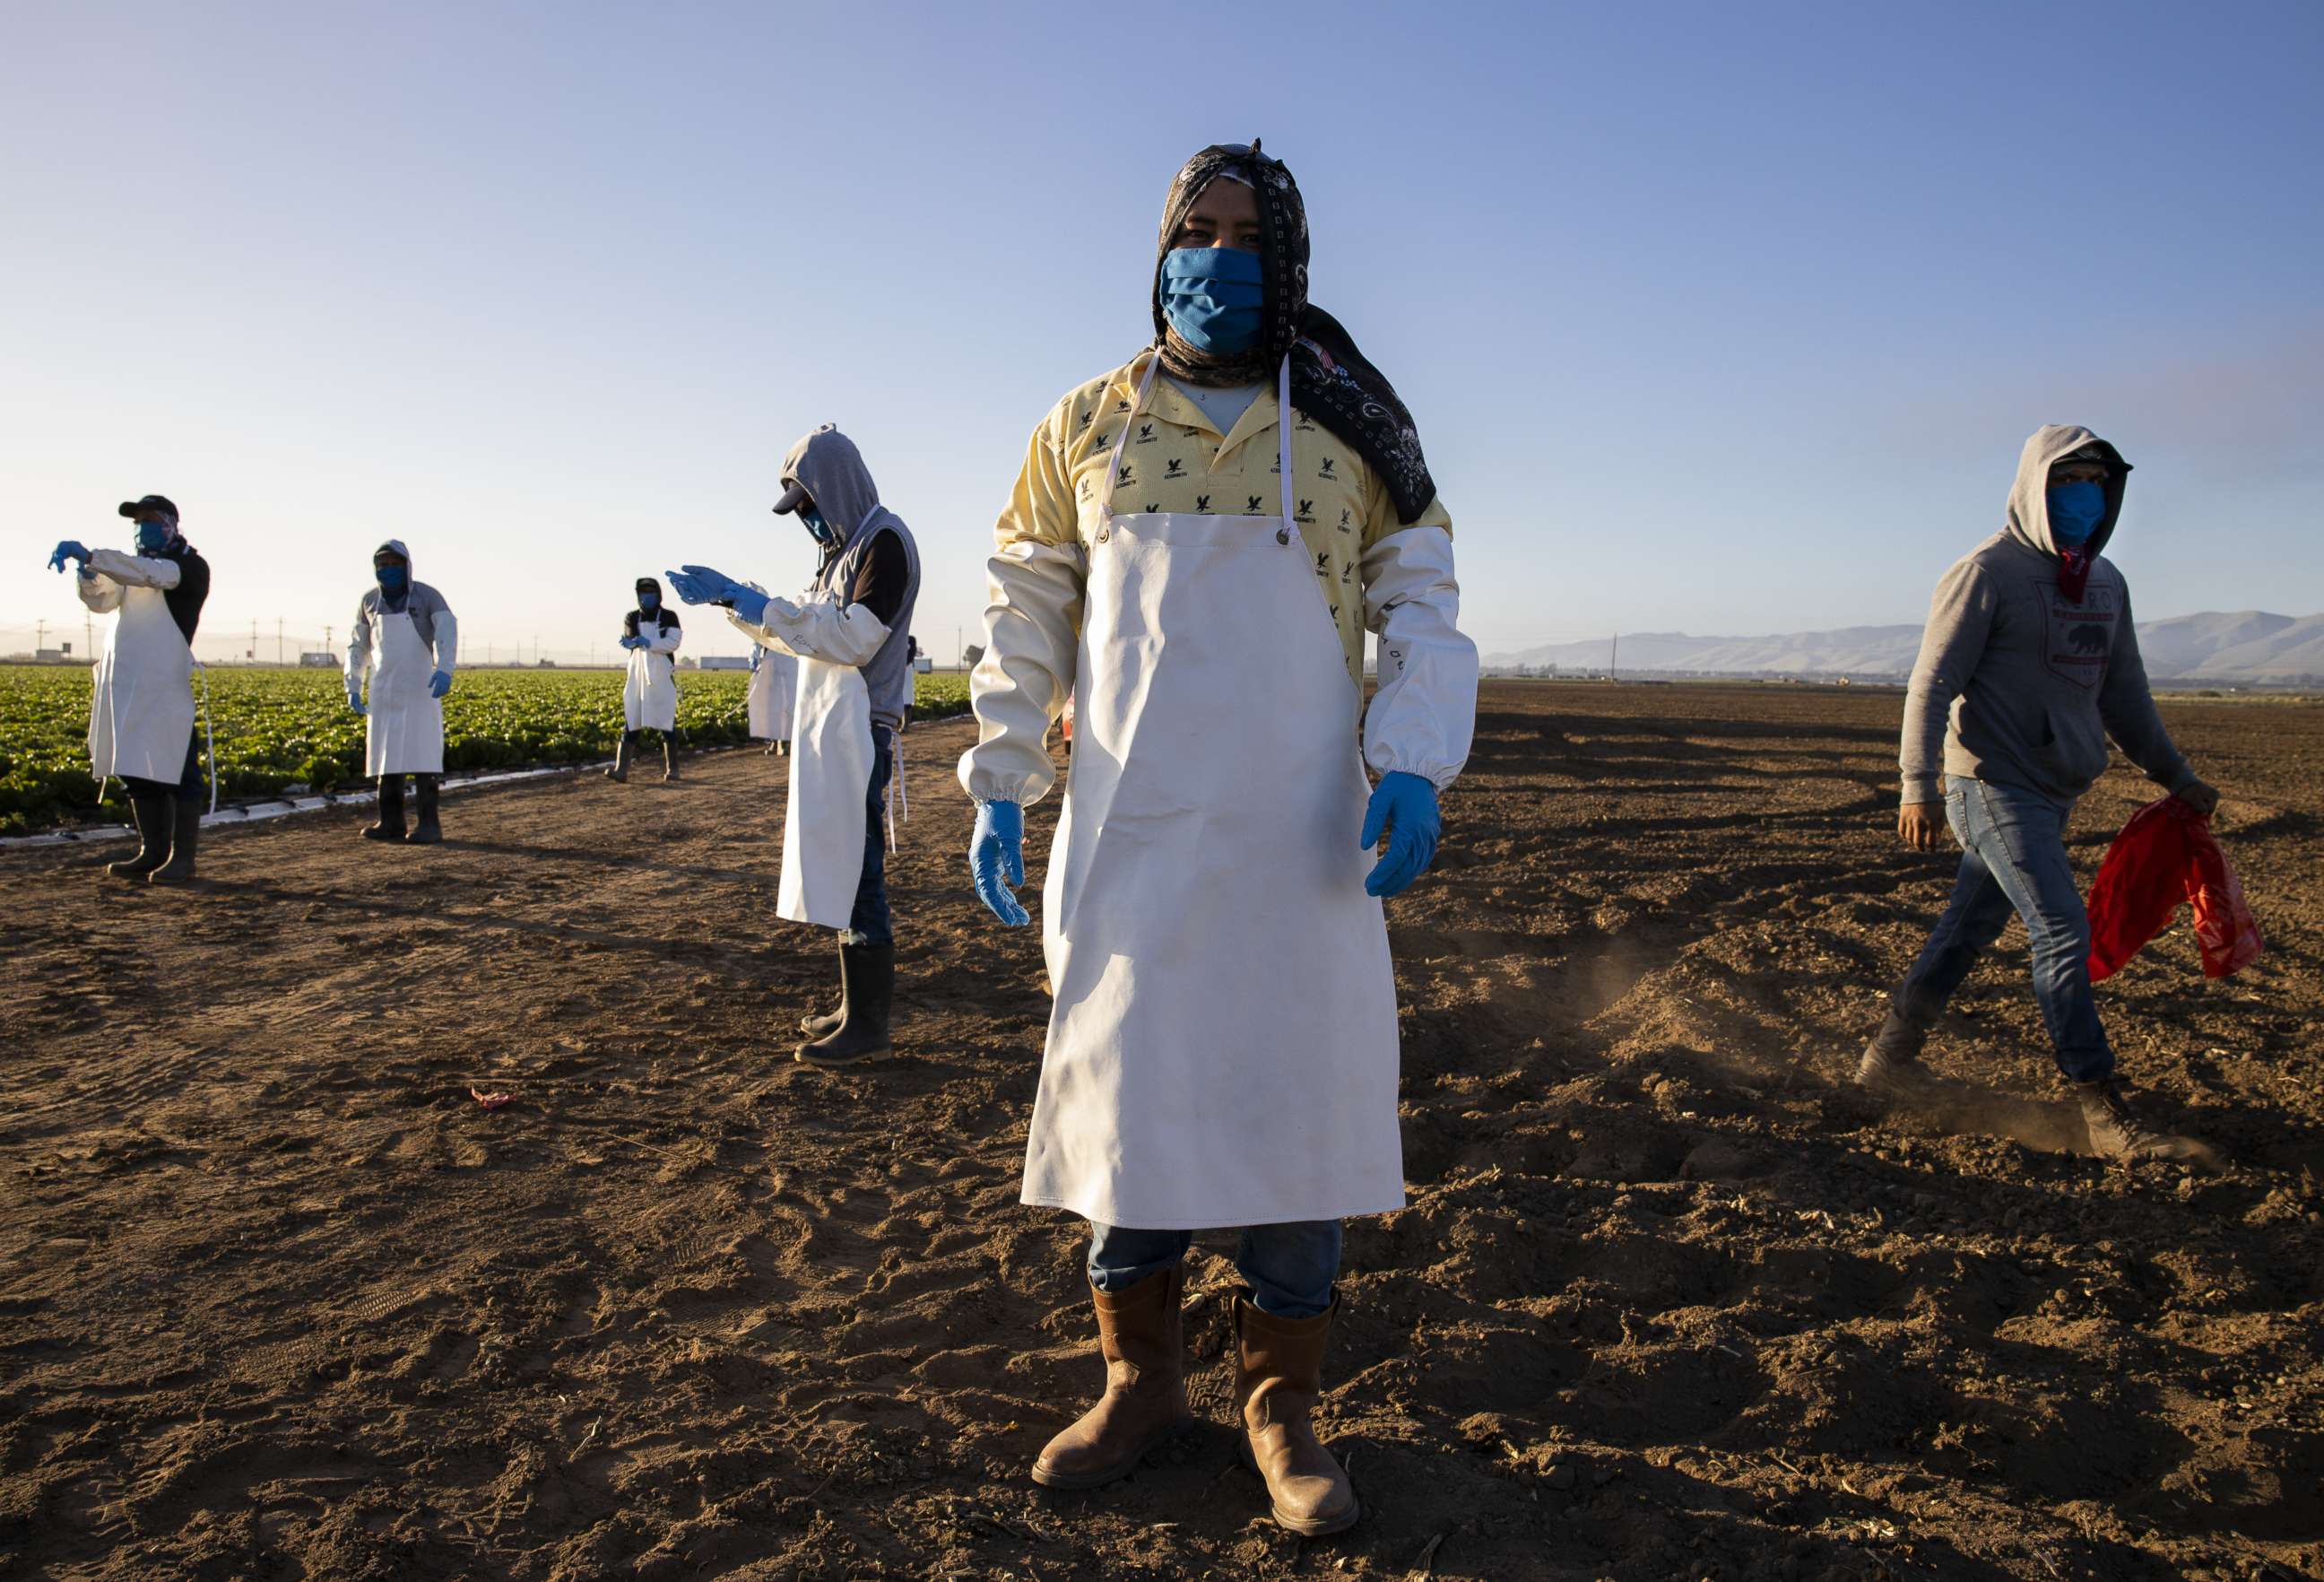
(286, 730)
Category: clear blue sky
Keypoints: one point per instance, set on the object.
(1715, 317)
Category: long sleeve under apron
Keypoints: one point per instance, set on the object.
(1373, 572)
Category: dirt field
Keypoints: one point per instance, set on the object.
(279, 1299)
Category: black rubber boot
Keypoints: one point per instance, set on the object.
(1891, 1066)
(669, 756)
(867, 980)
(819, 1027)
(391, 810)
(148, 811)
(2118, 1131)
(621, 751)
(426, 831)
(185, 836)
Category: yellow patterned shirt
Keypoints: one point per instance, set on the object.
(1177, 461)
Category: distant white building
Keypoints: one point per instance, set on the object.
(721, 662)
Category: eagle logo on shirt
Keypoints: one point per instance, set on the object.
(1323, 565)
(1329, 470)
(1146, 433)
(1347, 519)
(1201, 505)
(1173, 469)
(1125, 474)
(1252, 509)
(1306, 511)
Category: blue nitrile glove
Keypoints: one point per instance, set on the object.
(1404, 807)
(70, 550)
(354, 695)
(439, 683)
(633, 643)
(699, 585)
(996, 859)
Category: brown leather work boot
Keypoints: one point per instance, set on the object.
(1140, 1333)
(2118, 1131)
(1281, 1375)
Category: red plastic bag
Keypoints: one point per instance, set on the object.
(2167, 855)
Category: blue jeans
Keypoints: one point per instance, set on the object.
(868, 923)
(2013, 860)
(1289, 1268)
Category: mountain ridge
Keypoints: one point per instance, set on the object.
(2233, 646)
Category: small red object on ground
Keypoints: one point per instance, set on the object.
(2167, 855)
(492, 1101)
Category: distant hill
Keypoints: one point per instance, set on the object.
(2240, 648)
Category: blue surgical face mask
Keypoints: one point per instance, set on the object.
(1212, 297)
(815, 524)
(392, 580)
(2075, 512)
(154, 537)
(649, 601)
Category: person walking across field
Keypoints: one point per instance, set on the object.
(406, 638)
(2029, 662)
(651, 634)
(1196, 547)
(141, 717)
(851, 634)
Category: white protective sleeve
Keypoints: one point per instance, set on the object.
(134, 570)
(448, 641)
(1032, 641)
(358, 650)
(1425, 713)
(662, 639)
(98, 594)
(822, 628)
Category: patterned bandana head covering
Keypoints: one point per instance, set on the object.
(1331, 381)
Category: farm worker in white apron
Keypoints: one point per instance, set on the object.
(772, 698)
(850, 634)
(405, 635)
(651, 634)
(1195, 548)
(141, 716)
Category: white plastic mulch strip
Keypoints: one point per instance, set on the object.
(256, 812)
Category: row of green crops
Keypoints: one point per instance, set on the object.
(280, 730)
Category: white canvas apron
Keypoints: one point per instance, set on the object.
(773, 695)
(831, 775)
(1223, 1050)
(649, 691)
(141, 714)
(404, 726)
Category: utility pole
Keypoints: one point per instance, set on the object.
(536, 651)
(278, 640)
(87, 634)
(252, 653)
(39, 637)
(326, 640)
(1614, 659)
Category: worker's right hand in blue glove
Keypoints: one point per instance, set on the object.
(1402, 807)
(70, 550)
(633, 643)
(354, 699)
(996, 859)
(700, 584)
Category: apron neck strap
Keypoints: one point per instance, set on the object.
(1283, 439)
(1137, 405)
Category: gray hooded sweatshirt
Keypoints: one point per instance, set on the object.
(829, 468)
(2019, 685)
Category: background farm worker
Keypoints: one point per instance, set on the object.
(1194, 551)
(649, 694)
(405, 634)
(141, 716)
(850, 633)
(2029, 662)
(774, 693)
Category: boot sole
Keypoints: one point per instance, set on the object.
(1322, 1527)
(1048, 1478)
(808, 1054)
